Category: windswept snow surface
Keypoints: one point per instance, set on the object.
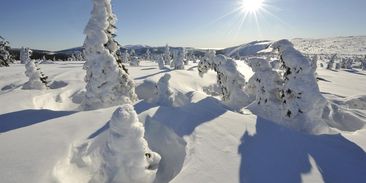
(199, 142)
(352, 45)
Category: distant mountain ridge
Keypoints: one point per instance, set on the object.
(351, 45)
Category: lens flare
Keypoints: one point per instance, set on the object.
(251, 6)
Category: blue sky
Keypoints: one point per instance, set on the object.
(59, 24)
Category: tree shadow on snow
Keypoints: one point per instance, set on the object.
(147, 76)
(20, 119)
(278, 154)
(183, 120)
(354, 71)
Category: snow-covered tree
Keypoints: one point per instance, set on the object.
(107, 83)
(337, 66)
(72, 58)
(79, 56)
(363, 64)
(148, 54)
(185, 58)
(343, 63)
(37, 80)
(331, 62)
(302, 102)
(161, 62)
(135, 61)
(178, 60)
(120, 154)
(265, 85)
(25, 54)
(206, 63)
(5, 57)
(230, 81)
(126, 57)
(167, 57)
(349, 63)
(314, 62)
(132, 53)
(163, 93)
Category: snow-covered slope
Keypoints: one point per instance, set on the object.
(199, 142)
(248, 49)
(352, 45)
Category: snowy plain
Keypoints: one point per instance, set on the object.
(200, 141)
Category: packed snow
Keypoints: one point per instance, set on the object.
(199, 141)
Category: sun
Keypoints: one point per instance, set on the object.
(251, 6)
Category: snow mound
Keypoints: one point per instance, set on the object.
(119, 154)
(344, 119)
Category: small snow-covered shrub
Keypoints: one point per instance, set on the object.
(165, 96)
(148, 54)
(349, 63)
(25, 54)
(302, 102)
(37, 80)
(314, 62)
(363, 64)
(107, 83)
(178, 60)
(337, 66)
(161, 62)
(119, 154)
(125, 57)
(331, 62)
(230, 81)
(167, 57)
(135, 61)
(5, 57)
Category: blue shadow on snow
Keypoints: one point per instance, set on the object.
(20, 119)
(278, 154)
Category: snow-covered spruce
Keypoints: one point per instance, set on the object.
(165, 96)
(148, 54)
(167, 57)
(230, 81)
(314, 62)
(331, 62)
(163, 93)
(185, 58)
(107, 84)
(206, 63)
(349, 63)
(112, 45)
(178, 60)
(132, 53)
(25, 54)
(161, 62)
(119, 154)
(135, 61)
(37, 80)
(302, 102)
(5, 57)
(363, 64)
(125, 57)
(265, 85)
